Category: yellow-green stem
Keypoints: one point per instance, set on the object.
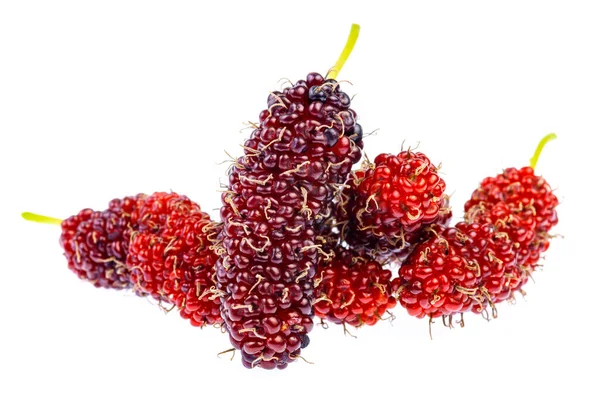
(540, 147)
(42, 219)
(352, 37)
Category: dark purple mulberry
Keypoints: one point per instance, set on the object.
(280, 192)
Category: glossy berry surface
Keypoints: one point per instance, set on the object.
(504, 220)
(147, 252)
(388, 204)
(525, 243)
(528, 196)
(96, 243)
(176, 264)
(436, 280)
(353, 290)
(280, 192)
(492, 253)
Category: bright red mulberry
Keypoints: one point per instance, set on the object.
(388, 204)
(148, 260)
(435, 279)
(352, 290)
(184, 252)
(529, 197)
(492, 252)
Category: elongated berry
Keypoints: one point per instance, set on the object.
(280, 192)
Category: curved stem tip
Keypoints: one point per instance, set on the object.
(42, 219)
(534, 159)
(352, 37)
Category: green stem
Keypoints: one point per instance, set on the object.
(352, 37)
(42, 219)
(540, 147)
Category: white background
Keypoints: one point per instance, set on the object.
(107, 99)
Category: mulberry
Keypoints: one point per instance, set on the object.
(280, 192)
(353, 290)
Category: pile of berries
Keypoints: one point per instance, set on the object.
(303, 235)
(158, 245)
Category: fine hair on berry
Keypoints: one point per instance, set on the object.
(280, 191)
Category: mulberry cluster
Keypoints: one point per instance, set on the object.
(488, 257)
(158, 245)
(303, 236)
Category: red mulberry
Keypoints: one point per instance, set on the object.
(435, 279)
(530, 200)
(388, 204)
(148, 260)
(353, 290)
(456, 270)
